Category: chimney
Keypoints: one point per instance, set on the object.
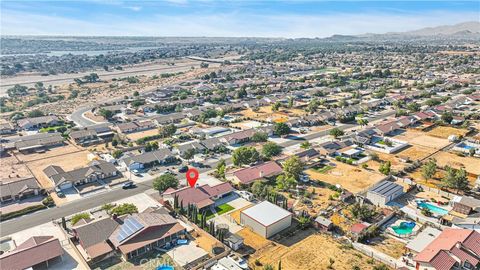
(261, 174)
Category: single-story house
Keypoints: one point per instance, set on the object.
(39, 142)
(257, 172)
(96, 170)
(149, 159)
(92, 237)
(452, 249)
(17, 190)
(145, 231)
(238, 137)
(201, 196)
(266, 219)
(212, 144)
(422, 240)
(183, 148)
(384, 192)
(34, 251)
(323, 224)
(168, 118)
(234, 241)
(6, 128)
(85, 137)
(38, 122)
(465, 205)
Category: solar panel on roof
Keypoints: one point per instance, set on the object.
(128, 228)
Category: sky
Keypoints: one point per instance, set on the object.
(241, 18)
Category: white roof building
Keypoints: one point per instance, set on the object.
(266, 219)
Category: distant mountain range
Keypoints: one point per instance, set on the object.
(461, 30)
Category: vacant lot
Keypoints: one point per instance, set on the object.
(52, 152)
(311, 253)
(66, 161)
(421, 138)
(471, 164)
(12, 169)
(137, 135)
(352, 178)
(444, 132)
(266, 114)
(416, 152)
(318, 202)
(389, 246)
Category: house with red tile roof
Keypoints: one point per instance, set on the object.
(452, 249)
(33, 252)
(257, 172)
(201, 196)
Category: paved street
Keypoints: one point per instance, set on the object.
(99, 199)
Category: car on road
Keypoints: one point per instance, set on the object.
(129, 184)
(183, 169)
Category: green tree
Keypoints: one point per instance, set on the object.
(188, 154)
(281, 129)
(385, 168)
(167, 131)
(362, 212)
(447, 117)
(290, 102)
(293, 167)
(413, 107)
(271, 149)
(336, 132)
(285, 183)
(164, 182)
(362, 122)
(245, 155)
(117, 153)
(136, 94)
(220, 169)
(276, 106)
(306, 145)
(268, 267)
(429, 169)
(456, 179)
(313, 105)
(106, 113)
(35, 113)
(77, 217)
(260, 137)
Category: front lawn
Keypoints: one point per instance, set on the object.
(323, 169)
(221, 209)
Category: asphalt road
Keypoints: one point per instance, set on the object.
(28, 221)
(79, 119)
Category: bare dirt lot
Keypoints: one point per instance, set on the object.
(389, 246)
(319, 201)
(416, 152)
(67, 162)
(52, 152)
(352, 178)
(310, 251)
(444, 132)
(12, 169)
(471, 164)
(266, 114)
(137, 135)
(421, 138)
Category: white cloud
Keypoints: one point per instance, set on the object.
(135, 8)
(231, 24)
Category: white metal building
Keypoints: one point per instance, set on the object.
(266, 219)
(384, 192)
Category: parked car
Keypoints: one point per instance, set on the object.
(136, 172)
(129, 184)
(59, 192)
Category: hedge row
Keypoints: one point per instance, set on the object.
(22, 212)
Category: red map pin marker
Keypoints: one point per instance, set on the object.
(192, 176)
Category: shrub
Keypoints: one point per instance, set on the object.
(48, 201)
(22, 212)
(123, 209)
(77, 217)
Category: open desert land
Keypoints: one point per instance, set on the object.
(137, 135)
(420, 138)
(13, 169)
(436, 180)
(471, 164)
(265, 113)
(319, 201)
(68, 161)
(352, 178)
(389, 246)
(397, 165)
(444, 132)
(52, 152)
(308, 251)
(416, 152)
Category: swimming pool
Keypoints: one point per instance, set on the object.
(165, 267)
(465, 146)
(435, 209)
(404, 228)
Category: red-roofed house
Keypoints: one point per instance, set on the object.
(201, 197)
(249, 175)
(34, 251)
(358, 229)
(452, 249)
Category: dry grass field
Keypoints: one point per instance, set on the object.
(312, 252)
(13, 169)
(444, 132)
(319, 201)
(416, 152)
(137, 135)
(352, 178)
(390, 247)
(420, 138)
(52, 152)
(67, 162)
(471, 164)
(265, 113)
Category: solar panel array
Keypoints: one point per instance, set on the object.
(129, 227)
